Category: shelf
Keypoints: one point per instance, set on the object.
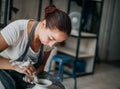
(97, 0)
(72, 52)
(88, 34)
(85, 35)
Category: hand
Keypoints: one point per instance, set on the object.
(31, 79)
(29, 70)
(18, 69)
(23, 67)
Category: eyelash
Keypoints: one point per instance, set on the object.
(50, 38)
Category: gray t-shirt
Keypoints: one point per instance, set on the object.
(15, 34)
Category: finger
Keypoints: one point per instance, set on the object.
(32, 69)
(28, 79)
(26, 71)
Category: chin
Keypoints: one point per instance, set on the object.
(44, 43)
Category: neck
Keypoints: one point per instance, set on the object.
(35, 44)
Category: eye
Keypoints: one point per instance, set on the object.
(51, 38)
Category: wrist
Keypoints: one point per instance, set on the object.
(40, 69)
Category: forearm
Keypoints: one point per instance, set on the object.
(5, 64)
(40, 69)
(45, 58)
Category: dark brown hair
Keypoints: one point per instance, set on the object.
(56, 18)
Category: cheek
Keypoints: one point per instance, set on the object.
(43, 39)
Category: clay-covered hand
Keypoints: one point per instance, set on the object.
(31, 79)
(29, 70)
(24, 67)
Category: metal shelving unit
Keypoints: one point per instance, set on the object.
(4, 4)
(84, 45)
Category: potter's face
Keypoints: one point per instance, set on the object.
(50, 37)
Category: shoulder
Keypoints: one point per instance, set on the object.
(17, 23)
(13, 31)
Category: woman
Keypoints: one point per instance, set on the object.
(54, 28)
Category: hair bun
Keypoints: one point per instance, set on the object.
(50, 9)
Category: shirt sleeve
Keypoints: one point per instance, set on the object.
(11, 32)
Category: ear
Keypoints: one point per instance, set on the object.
(44, 23)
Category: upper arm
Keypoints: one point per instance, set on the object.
(3, 43)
